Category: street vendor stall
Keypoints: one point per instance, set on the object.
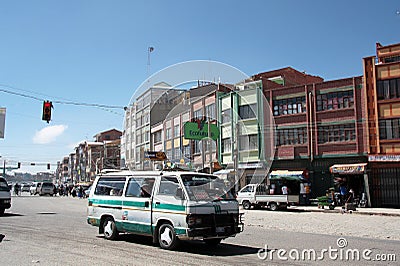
(351, 180)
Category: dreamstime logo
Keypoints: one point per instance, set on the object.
(341, 253)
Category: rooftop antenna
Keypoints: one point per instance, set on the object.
(149, 51)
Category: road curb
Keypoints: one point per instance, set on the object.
(352, 212)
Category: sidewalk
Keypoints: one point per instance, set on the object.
(364, 211)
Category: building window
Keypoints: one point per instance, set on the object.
(139, 121)
(226, 145)
(291, 136)
(139, 138)
(196, 146)
(389, 128)
(336, 133)
(210, 112)
(290, 106)
(392, 59)
(157, 136)
(198, 114)
(186, 151)
(335, 100)
(226, 116)
(168, 153)
(177, 153)
(247, 111)
(146, 118)
(248, 142)
(388, 89)
(177, 132)
(168, 134)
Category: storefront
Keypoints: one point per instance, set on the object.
(384, 180)
(351, 177)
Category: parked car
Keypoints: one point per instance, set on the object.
(46, 188)
(25, 187)
(5, 196)
(34, 189)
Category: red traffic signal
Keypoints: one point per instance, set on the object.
(46, 116)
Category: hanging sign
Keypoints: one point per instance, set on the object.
(199, 131)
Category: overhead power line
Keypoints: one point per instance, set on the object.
(60, 102)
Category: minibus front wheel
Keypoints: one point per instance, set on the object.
(167, 237)
(110, 229)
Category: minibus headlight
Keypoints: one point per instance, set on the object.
(193, 220)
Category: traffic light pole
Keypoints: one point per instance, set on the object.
(7, 168)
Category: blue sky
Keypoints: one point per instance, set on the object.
(96, 52)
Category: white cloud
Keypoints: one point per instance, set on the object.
(49, 134)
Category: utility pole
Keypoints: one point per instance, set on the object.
(236, 155)
(4, 168)
(210, 144)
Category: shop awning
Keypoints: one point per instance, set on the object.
(286, 175)
(356, 168)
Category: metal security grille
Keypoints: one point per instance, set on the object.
(385, 187)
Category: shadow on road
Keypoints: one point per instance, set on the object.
(198, 247)
(10, 214)
(194, 247)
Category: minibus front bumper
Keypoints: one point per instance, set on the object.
(214, 225)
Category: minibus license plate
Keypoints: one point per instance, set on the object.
(220, 230)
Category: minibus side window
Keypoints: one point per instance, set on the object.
(168, 186)
(110, 186)
(140, 187)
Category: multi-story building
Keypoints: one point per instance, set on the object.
(88, 160)
(71, 168)
(65, 170)
(112, 134)
(150, 108)
(245, 139)
(382, 86)
(318, 127)
(196, 114)
(110, 154)
(90, 157)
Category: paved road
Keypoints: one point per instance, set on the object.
(53, 231)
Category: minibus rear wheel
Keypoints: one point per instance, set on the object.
(110, 229)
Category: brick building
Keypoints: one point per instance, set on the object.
(319, 127)
(382, 85)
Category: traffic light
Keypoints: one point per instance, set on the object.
(46, 116)
(19, 165)
(48, 166)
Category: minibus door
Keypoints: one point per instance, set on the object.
(137, 205)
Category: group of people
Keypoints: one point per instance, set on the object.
(71, 190)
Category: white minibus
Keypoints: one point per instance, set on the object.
(169, 206)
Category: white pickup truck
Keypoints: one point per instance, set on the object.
(257, 195)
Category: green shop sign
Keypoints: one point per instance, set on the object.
(199, 131)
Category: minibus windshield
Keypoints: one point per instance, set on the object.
(206, 188)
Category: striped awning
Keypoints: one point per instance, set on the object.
(356, 168)
(287, 175)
